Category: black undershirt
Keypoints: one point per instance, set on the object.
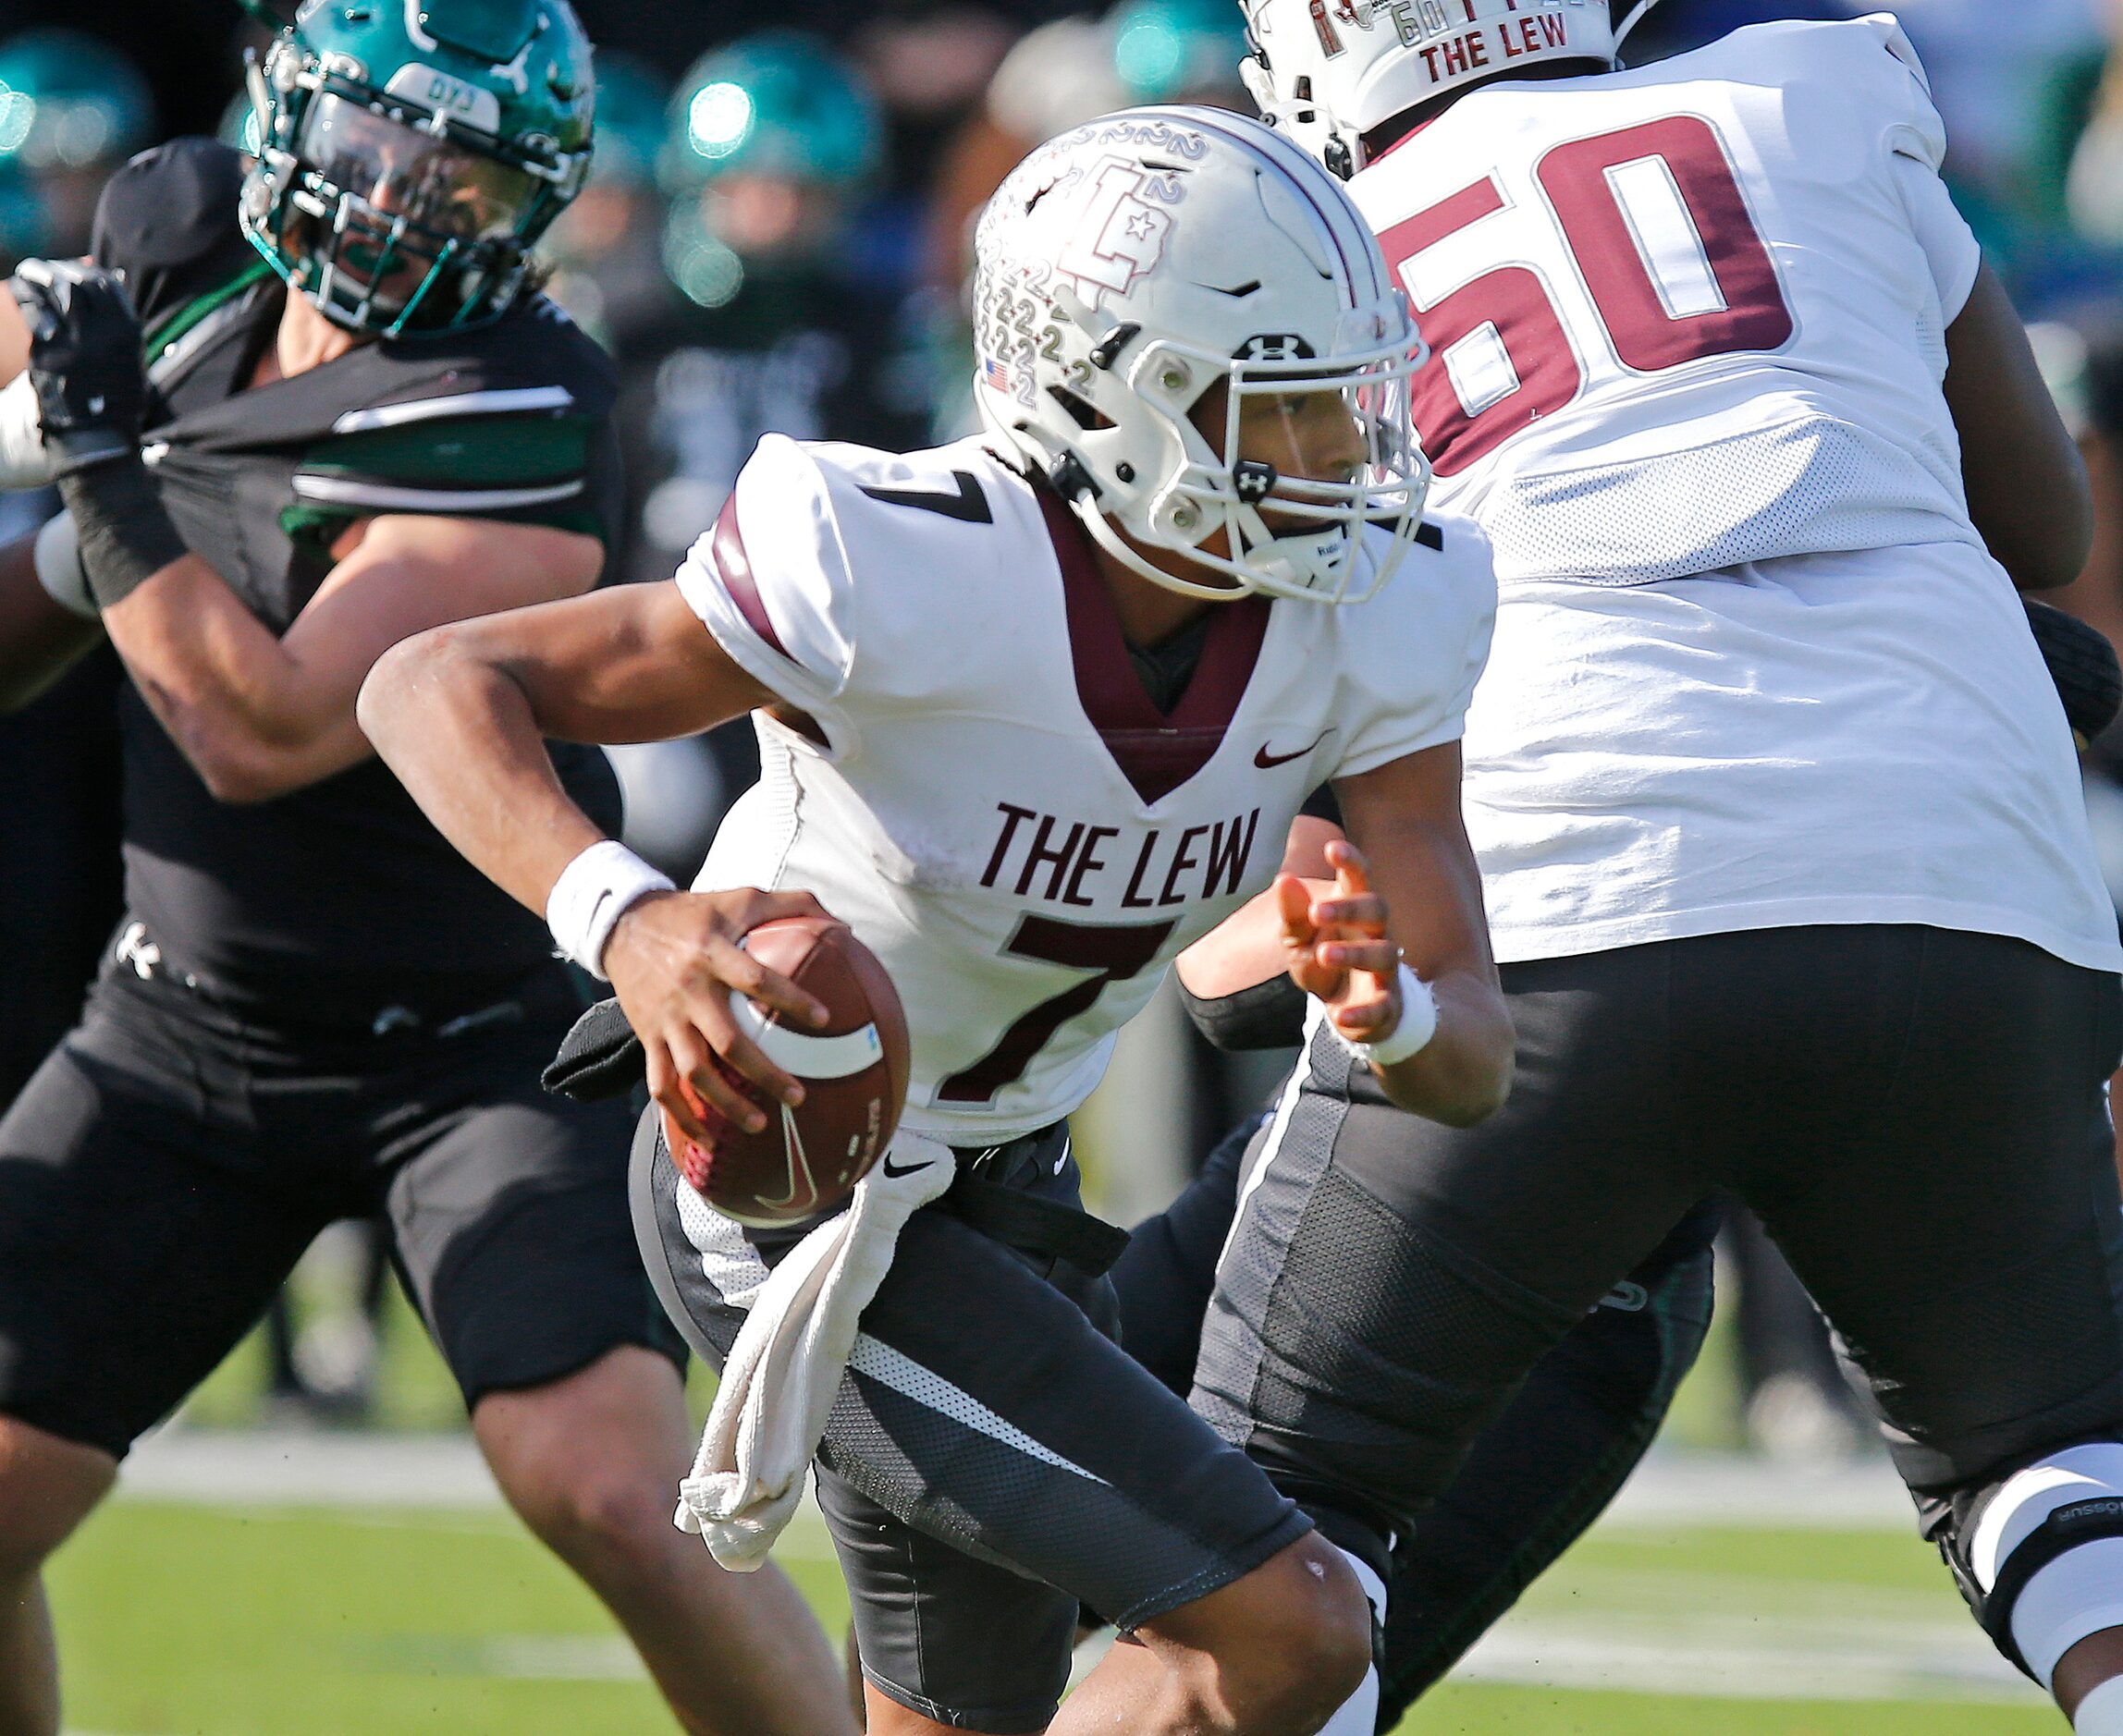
(1166, 668)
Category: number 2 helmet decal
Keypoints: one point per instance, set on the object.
(1132, 265)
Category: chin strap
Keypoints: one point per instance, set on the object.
(1630, 22)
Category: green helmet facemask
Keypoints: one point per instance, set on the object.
(411, 150)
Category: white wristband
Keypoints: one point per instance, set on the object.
(593, 892)
(59, 569)
(24, 463)
(1410, 1035)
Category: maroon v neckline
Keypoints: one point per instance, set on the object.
(1156, 751)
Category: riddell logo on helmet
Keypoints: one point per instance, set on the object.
(1121, 231)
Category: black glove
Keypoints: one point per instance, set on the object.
(2082, 664)
(85, 361)
(91, 399)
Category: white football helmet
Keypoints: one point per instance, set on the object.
(1328, 71)
(1128, 266)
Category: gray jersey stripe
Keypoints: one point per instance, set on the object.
(515, 402)
(345, 491)
(926, 1387)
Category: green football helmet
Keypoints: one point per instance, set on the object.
(1167, 51)
(630, 98)
(777, 103)
(411, 151)
(67, 102)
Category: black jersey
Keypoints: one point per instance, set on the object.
(343, 883)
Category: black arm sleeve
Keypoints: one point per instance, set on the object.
(1269, 1015)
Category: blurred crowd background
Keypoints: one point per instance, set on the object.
(777, 240)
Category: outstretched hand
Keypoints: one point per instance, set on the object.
(1336, 947)
(675, 960)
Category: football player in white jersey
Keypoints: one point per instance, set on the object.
(1780, 828)
(1036, 710)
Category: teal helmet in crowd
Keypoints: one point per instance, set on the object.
(778, 103)
(67, 101)
(630, 101)
(409, 154)
(1164, 50)
(781, 102)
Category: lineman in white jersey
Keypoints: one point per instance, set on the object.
(1777, 813)
(1036, 710)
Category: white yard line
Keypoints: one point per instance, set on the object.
(1750, 1657)
(290, 1468)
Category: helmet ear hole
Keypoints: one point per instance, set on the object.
(1085, 414)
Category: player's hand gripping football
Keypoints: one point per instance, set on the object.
(675, 960)
(1336, 947)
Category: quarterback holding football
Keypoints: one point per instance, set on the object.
(1036, 710)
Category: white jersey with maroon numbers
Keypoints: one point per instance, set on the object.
(969, 773)
(1753, 666)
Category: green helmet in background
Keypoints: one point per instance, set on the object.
(1164, 50)
(411, 151)
(67, 101)
(630, 101)
(780, 103)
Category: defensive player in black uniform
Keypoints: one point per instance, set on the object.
(359, 420)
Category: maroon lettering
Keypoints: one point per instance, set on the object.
(1456, 55)
(1182, 859)
(1087, 863)
(1227, 859)
(1529, 39)
(1330, 42)
(1129, 902)
(1039, 853)
(1429, 56)
(1003, 843)
(1113, 950)
(1554, 29)
(1477, 50)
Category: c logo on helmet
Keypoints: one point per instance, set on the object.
(1119, 236)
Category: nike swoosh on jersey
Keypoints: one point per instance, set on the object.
(1267, 761)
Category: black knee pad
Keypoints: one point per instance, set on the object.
(2038, 1552)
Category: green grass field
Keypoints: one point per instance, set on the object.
(232, 1623)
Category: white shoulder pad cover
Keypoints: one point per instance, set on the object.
(1895, 41)
(1412, 654)
(1921, 123)
(772, 581)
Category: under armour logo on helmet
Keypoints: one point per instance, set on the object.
(1274, 346)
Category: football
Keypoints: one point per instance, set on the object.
(808, 1159)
